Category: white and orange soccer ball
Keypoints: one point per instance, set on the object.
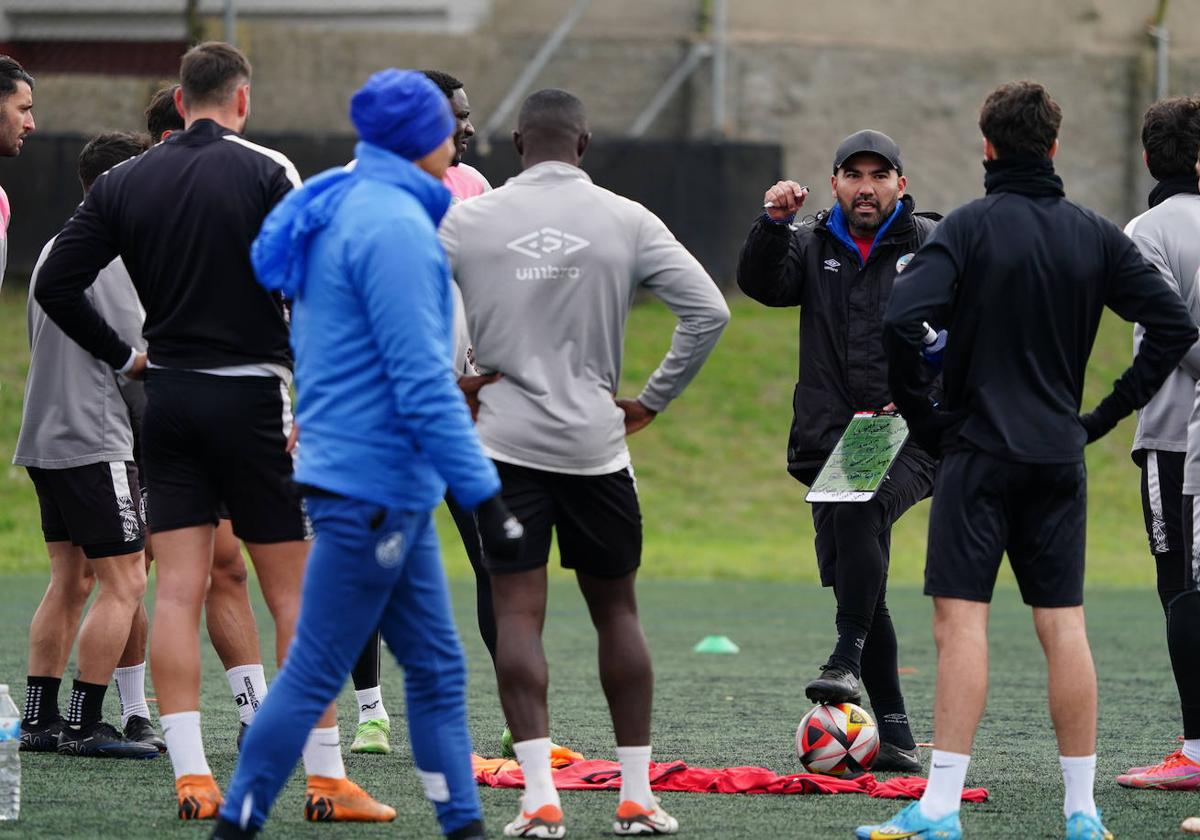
(837, 739)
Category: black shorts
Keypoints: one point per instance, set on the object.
(96, 507)
(908, 481)
(1190, 515)
(1162, 499)
(597, 519)
(984, 505)
(208, 440)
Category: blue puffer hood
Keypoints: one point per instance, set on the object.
(280, 252)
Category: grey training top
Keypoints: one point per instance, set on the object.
(1168, 236)
(76, 409)
(548, 266)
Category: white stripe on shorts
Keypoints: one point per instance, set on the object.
(131, 524)
(1158, 525)
(1195, 558)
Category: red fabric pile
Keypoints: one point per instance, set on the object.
(587, 774)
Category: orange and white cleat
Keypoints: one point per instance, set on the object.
(199, 797)
(633, 818)
(546, 823)
(340, 800)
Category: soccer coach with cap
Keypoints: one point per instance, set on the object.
(385, 429)
(838, 266)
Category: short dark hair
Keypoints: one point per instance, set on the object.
(447, 83)
(161, 113)
(1020, 118)
(209, 73)
(12, 72)
(552, 113)
(1171, 136)
(104, 151)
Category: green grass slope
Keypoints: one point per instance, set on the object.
(717, 502)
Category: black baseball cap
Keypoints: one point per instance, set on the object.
(875, 142)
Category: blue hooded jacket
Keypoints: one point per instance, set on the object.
(381, 416)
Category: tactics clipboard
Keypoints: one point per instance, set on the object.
(861, 460)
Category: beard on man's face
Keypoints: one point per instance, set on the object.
(865, 214)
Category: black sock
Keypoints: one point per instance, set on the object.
(41, 700)
(366, 670)
(881, 679)
(847, 653)
(226, 830)
(87, 704)
(892, 720)
(471, 831)
(1183, 642)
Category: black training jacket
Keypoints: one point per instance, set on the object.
(182, 216)
(1026, 275)
(842, 364)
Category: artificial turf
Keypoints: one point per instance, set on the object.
(713, 710)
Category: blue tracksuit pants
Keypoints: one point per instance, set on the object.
(369, 568)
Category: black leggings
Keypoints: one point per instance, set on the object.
(366, 670)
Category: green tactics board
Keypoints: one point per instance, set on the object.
(861, 460)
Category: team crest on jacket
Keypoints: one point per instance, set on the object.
(390, 549)
(903, 262)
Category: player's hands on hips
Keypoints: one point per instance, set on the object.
(785, 200)
(499, 531)
(470, 386)
(637, 416)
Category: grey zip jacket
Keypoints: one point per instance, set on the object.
(1168, 236)
(548, 266)
(77, 408)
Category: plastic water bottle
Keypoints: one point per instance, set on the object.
(933, 345)
(10, 758)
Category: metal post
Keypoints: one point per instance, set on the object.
(1162, 60)
(678, 76)
(1157, 27)
(532, 69)
(720, 21)
(231, 22)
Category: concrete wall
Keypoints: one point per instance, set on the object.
(802, 74)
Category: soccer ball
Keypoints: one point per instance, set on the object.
(838, 739)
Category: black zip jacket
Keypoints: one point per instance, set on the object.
(843, 368)
(182, 216)
(1026, 275)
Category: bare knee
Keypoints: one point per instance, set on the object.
(1059, 625)
(123, 577)
(71, 590)
(229, 571)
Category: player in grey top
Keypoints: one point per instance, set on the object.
(1168, 236)
(76, 440)
(549, 265)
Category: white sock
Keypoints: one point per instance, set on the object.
(534, 757)
(323, 754)
(249, 686)
(1191, 749)
(943, 792)
(131, 688)
(184, 744)
(370, 704)
(635, 775)
(1079, 780)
